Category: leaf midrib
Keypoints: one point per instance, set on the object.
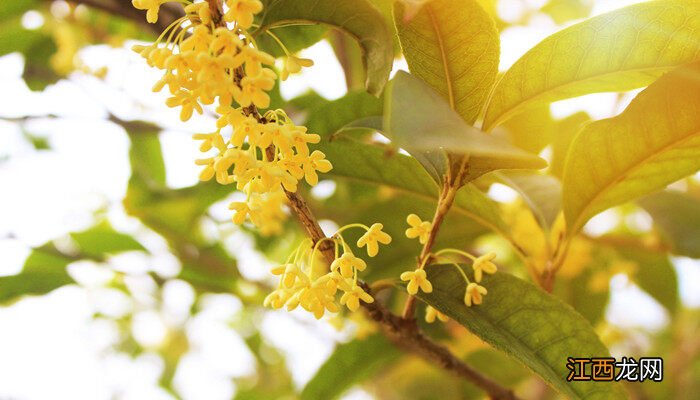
(626, 172)
(443, 56)
(509, 112)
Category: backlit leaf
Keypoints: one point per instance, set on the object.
(452, 45)
(654, 142)
(618, 51)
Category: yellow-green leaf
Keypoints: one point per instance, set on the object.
(452, 45)
(618, 51)
(654, 142)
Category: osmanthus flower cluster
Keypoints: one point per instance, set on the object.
(308, 281)
(418, 280)
(263, 155)
(213, 60)
(208, 64)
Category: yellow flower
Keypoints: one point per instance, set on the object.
(484, 264)
(277, 298)
(293, 64)
(208, 171)
(291, 273)
(152, 7)
(242, 12)
(269, 212)
(253, 60)
(201, 10)
(225, 42)
(253, 90)
(351, 299)
(474, 294)
(317, 162)
(419, 229)
(316, 299)
(210, 140)
(417, 280)
(188, 102)
(198, 42)
(431, 314)
(300, 139)
(346, 263)
(242, 211)
(372, 237)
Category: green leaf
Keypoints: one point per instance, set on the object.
(38, 72)
(541, 193)
(102, 239)
(497, 366)
(583, 289)
(172, 213)
(525, 322)
(14, 38)
(418, 119)
(350, 363)
(452, 45)
(146, 155)
(653, 143)
(677, 216)
(369, 164)
(329, 117)
(43, 271)
(618, 51)
(175, 214)
(35, 46)
(655, 275)
(16, 7)
(358, 18)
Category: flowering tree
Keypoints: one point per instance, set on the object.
(516, 289)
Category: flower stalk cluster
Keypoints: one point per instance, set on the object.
(417, 280)
(220, 64)
(308, 281)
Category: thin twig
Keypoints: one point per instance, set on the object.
(447, 197)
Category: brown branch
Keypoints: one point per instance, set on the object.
(404, 333)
